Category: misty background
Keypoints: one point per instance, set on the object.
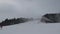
(27, 8)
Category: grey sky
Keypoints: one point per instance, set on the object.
(27, 8)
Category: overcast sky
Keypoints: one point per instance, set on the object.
(27, 8)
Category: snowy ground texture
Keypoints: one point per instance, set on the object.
(32, 27)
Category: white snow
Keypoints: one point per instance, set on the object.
(32, 27)
(29, 8)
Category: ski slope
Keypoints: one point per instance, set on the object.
(32, 27)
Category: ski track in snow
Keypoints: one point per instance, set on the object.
(32, 27)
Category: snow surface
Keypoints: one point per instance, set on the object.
(32, 27)
(29, 8)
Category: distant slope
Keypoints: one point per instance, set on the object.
(32, 27)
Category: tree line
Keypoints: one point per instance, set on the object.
(13, 21)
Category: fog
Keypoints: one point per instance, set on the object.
(27, 8)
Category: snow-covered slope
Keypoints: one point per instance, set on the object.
(32, 27)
